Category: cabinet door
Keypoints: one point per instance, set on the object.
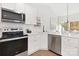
(31, 14)
(67, 41)
(33, 43)
(69, 46)
(73, 42)
(20, 7)
(70, 51)
(44, 41)
(11, 6)
(30, 45)
(37, 42)
(49, 41)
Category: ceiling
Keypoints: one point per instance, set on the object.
(59, 9)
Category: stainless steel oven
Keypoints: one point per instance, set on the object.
(13, 43)
(13, 47)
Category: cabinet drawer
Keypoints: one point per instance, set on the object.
(69, 46)
(66, 41)
(69, 51)
(73, 42)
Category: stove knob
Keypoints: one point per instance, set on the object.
(4, 29)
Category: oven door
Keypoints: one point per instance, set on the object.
(14, 47)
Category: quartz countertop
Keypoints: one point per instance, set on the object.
(10, 39)
(72, 35)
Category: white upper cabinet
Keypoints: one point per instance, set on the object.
(11, 6)
(20, 7)
(29, 11)
(30, 14)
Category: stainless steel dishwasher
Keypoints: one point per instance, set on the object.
(54, 43)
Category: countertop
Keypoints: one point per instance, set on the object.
(71, 35)
(10, 39)
(39, 33)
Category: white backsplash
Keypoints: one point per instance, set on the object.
(33, 28)
(23, 26)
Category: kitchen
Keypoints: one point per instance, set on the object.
(39, 29)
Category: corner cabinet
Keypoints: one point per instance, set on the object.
(69, 46)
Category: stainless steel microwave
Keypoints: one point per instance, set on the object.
(11, 16)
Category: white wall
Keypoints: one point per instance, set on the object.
(73, 8)
(60, 9)
(73, 12)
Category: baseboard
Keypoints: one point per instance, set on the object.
(44, 49)
(32, 52)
